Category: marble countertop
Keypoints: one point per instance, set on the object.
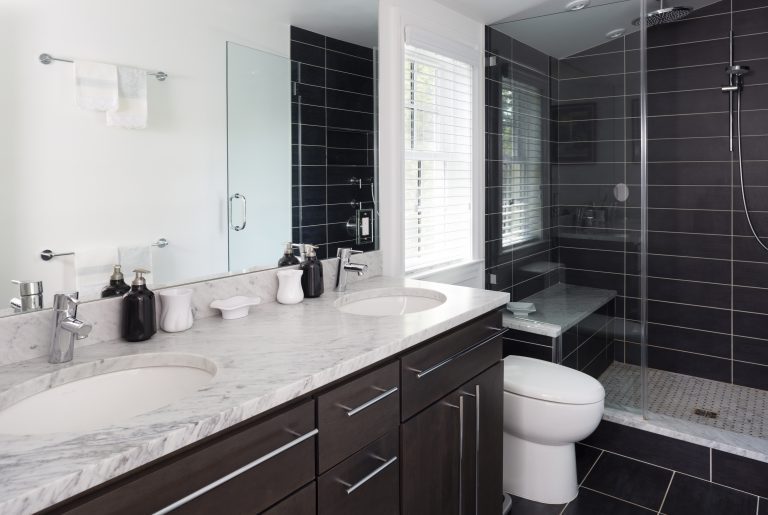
(558, 308)
(274, 355)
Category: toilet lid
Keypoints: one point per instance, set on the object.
(539, 379)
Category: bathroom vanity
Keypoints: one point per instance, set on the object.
(311, 410)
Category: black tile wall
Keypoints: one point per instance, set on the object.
(333, 131)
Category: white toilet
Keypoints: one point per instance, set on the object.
(547, 408)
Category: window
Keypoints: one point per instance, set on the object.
(522, 108)
(438, 160)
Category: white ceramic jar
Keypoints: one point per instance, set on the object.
(289, 287)
(176, 310)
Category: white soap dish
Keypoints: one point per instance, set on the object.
(521, 309)
(235, 307)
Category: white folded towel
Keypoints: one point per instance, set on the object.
(132, 92)
(96, 86)
(132, 258)
(93, 268)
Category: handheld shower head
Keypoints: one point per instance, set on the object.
(737, 70)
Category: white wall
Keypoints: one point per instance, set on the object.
(428, 15)
(68, 182)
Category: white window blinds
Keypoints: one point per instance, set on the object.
(522, 166)
(438, 160)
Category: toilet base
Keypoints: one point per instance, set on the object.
(541, 473)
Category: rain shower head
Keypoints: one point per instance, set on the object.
(664, 15)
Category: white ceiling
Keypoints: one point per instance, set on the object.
(355, 21)
(545, 25)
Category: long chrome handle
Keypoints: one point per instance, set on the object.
(461, 455)
(370, 476)
(245, 468)
(477, 449)
(245, 212)
(427, 371)
(354, 411)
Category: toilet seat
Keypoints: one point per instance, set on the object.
(537, 379)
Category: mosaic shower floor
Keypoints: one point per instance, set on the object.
(736, 408)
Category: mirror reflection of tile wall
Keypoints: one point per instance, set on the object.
(333, 139)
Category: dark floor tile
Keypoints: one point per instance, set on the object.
(763, 507)
(652, 448)
(738, 472)
(630, 480)
(592, 503)
(586, 456)
(522, 506)
(751, 375)
(691, 496)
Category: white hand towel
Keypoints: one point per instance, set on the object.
(96, 86)
(132, 258)
(93, 268)
(132, 91)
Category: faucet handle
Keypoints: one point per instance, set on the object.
(345, 252)
(29, 287)
(66, 301)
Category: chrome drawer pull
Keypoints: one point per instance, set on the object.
(422, 373)
(370, 476)
(354, 411)
(245, 468)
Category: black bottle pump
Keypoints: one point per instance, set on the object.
(138, 321)
(312, 278)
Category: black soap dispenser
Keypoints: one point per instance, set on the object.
(138, 321)
(288, 259)
(117, 285)
(312, 278)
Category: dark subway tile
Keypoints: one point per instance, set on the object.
(498, 43)
(530, 57)
(699, 149)
(691, 269)
(751, 274)
(341, 119)
(738, 472)
(591, 66)
(693, 245)
(586, 457)
(310, 74)
(348, 100)
(689, 126)
(307, 54)
(690, 221)
(687, 102)
(689, 197)
(348, 82)
(689, 54)
(306, 36)
(695, 317)
(689, 340)
(348, 139)
(310, 95)
(347, 63)
(591, 87)
(750, 324)
(691, 496)
(696, 365)
(530, 350)
(689, 174)
(750, 375)
(585, 259)
(308, 115)
(754, 350)
(751, 21)
(704, 294)
(348, 48)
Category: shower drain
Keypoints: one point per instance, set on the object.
(705, 413)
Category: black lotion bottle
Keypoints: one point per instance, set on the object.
(312, 278)
(288, 258)
(138, 320)
(117, 286)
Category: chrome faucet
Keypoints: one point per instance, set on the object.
(30, 296)
(345, 266)
(66, 328)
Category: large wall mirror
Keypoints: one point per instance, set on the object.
(263, 132)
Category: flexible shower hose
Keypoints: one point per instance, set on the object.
(741, 174)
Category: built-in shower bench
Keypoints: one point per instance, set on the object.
(572, 325)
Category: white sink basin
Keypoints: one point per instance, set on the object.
(101, 394)
(390, 301)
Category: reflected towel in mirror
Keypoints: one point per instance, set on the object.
(93, 268)
(135, 257)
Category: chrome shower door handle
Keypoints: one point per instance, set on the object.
(238, 196)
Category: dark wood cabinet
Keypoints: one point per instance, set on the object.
(367, 483)
(420, 434)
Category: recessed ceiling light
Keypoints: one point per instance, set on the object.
(577, 5)
(615, 33)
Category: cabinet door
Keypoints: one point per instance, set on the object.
(452, 451)
(303, 502)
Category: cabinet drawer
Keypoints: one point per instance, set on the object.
(368, 482)
(356, 413)
(445, 363)
(244, 471)
(303, 502)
